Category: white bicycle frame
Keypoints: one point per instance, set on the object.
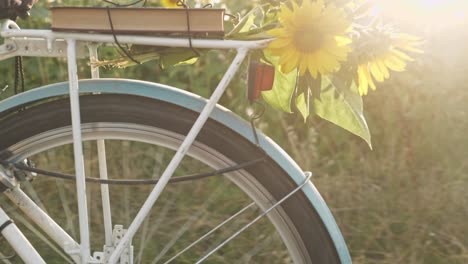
(47, 43)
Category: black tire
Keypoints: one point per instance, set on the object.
(143, 111)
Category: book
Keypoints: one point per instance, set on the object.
(131, 20)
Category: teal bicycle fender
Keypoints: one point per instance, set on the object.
(195, 103)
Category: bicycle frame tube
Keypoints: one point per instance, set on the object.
(47, 224)
(17, 240)
(134, 39)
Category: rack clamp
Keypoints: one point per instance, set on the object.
(7, 179)
(10, 176)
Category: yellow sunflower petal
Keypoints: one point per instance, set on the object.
(276, 32)
(402, 55)
(285, 55)
(412, 49)
(395, 64)
(407, 37)
(339, 53)
(375, 70)
(303, 63)
(383, 69)
(169, 3)
(287, 68)
(312, 65)
(291, 64)
(369, 79)
(325, 63)
(342, 41)
(330, 64)
(362, 80)
(286, 12)
(313, 9)
(279, 43)
(295, 6)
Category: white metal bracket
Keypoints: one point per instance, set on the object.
(38, 47)
(7, 179)
(127, 255)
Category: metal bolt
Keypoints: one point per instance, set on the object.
(9, 47)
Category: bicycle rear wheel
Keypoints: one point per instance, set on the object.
(141, 135)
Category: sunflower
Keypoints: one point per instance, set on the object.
(380, 51)
(170, 3)
(311, 38)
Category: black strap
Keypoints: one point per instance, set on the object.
(126, 5)
(256, 114)
(4, 225)
(19, 74)
(189, 32)
(117, 42)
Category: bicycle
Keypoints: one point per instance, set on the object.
(36, 126)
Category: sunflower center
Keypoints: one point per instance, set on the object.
(374, 45)
(308, 38)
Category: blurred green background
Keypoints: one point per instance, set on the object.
(405, 201)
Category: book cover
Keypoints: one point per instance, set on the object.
(203, 21)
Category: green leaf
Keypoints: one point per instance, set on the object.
(124, 62)
(302, 95)
(343, 109)
(255, 33)
(350, 92)
(271, 14)
(246, 23)
(281, 94)
(303, 104)
(177, 56)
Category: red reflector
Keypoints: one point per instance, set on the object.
(261, 78)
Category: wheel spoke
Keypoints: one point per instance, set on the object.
(106, 209)
(255, 220)
(255, 250)
(229, 230)
(66, 207)
(154, 227)
(185, 227)
(127, 174)
(210, 232)
(5, 259)
(65, 203)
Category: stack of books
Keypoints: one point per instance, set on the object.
(161, 21)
